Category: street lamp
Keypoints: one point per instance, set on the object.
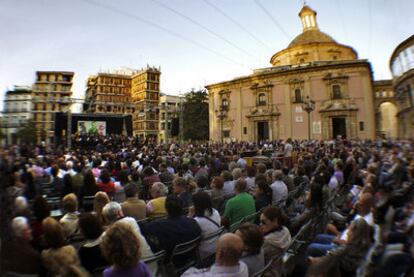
(221, 115)
(309, 106)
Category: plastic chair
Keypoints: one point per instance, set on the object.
(182, 249)
(157, 258)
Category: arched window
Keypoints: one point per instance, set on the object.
(336, 92)
(262, 99)
(298, 96)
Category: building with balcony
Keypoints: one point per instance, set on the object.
(402, 69)
(128, 92)
(16, 112)
(51, 93)
(169, 113)
(314, 73)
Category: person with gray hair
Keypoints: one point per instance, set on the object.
(17, 255)
(279, 188)
(229, 250)
(21, 206)
(156, 206)
(113, 213)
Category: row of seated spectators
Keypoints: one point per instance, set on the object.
(115, 191)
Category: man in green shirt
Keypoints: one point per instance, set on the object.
(239, 206)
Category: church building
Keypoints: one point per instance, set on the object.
(316, 88)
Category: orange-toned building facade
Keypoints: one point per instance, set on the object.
(271, 103)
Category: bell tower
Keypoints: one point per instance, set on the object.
(308, 18)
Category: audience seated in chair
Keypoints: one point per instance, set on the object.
(17, 254)
(133, 206)
(90, 252)
(229, 250)
(240, 205)
(121, 247)
(253, 255)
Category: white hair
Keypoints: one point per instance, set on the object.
(20, 203)
(19, 225)
(111, 211)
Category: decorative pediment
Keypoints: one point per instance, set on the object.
(296, 81)
(224, 92)
(339, 78)
(269, 110)
(338, 105)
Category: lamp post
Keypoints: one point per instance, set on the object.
(309, 106)
(221, 115)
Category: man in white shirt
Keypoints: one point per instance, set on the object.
(228, 252)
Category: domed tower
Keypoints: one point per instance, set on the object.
(312, 45)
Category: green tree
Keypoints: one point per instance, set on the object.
(195, 115)
(27, 133)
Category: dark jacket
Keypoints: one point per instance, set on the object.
(167, 233)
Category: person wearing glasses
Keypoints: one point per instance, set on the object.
(276, 236)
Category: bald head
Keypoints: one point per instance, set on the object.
(229, 250)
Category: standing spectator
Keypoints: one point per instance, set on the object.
(253, 255)
(133, 206)
(121, 247)
(239, 206)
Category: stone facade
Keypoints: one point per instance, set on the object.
(270, 103)
(133, 92)
(51, 93)
(17, 112)
(402, 69)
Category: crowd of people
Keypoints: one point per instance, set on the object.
(111, 204)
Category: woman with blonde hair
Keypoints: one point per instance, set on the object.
(59, 256)
(121, 247)
(101, 199)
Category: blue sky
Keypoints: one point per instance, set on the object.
(192, 42)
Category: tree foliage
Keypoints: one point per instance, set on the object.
(195, 115)
(27, 133)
